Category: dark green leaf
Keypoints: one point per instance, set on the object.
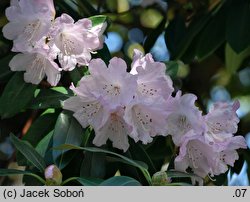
(5, 72)
(67, 131)
(43, 145)
(213, 35)
(16, 96)
(178, 38)
(120, 181)
(50, 98)
(41, 127)
(7, 172)
(29, 152)
(172, 68)
(86, 8)
(93, 165)
(238, 24)
(89, 181)
(141, 166)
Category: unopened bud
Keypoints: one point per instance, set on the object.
(53, 176)
(160, 179)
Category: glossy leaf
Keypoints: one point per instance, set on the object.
(213, 35)
(43, 145)
(98, 19)
(29, 152)
(142, 167)
(40, 127)
(67, 131)
(238, 24)
(120, 181)
(16, 96)
(50, 98)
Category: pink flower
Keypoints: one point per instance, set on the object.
(100, 101)
(115, 129)
(147, 119)
(30, 21)
(221, 122)
(87, 109)
(153, 83)
(37, 64)
(195, 154)
(113, 86)
(183, 116)
(205, 159)
(75, 40)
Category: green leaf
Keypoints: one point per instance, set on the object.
(8, 172)
(234, 60)
(16, 96)
(98, 19)
(86, 8)
(238, 24)
(43, 145)
(182, 37)
(120, 181)
(85, 181)
(76, 74)
(213, 35)
(50, 98)
(93, 165)
(67, 131)
(172, 68)
(142, 167)
(29, 152)
(89, 181)
(41, 127)
(5, 72)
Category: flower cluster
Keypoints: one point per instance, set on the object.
(41, 39)
(118, 104)
(139, 104)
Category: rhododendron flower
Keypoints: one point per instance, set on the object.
(115, 129)
(147, 119)
(221, 121)
(29, 21)
(75, 40)
(183, 117)
(206, 159)
(113, 85)
(37, 65)
(195, 154)
(153, 83)
(87, 109)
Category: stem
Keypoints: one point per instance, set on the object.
(68, 180)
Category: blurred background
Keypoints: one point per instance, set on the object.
(205, 43)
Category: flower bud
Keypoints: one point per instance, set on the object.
(160, 179)
(53, 176)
